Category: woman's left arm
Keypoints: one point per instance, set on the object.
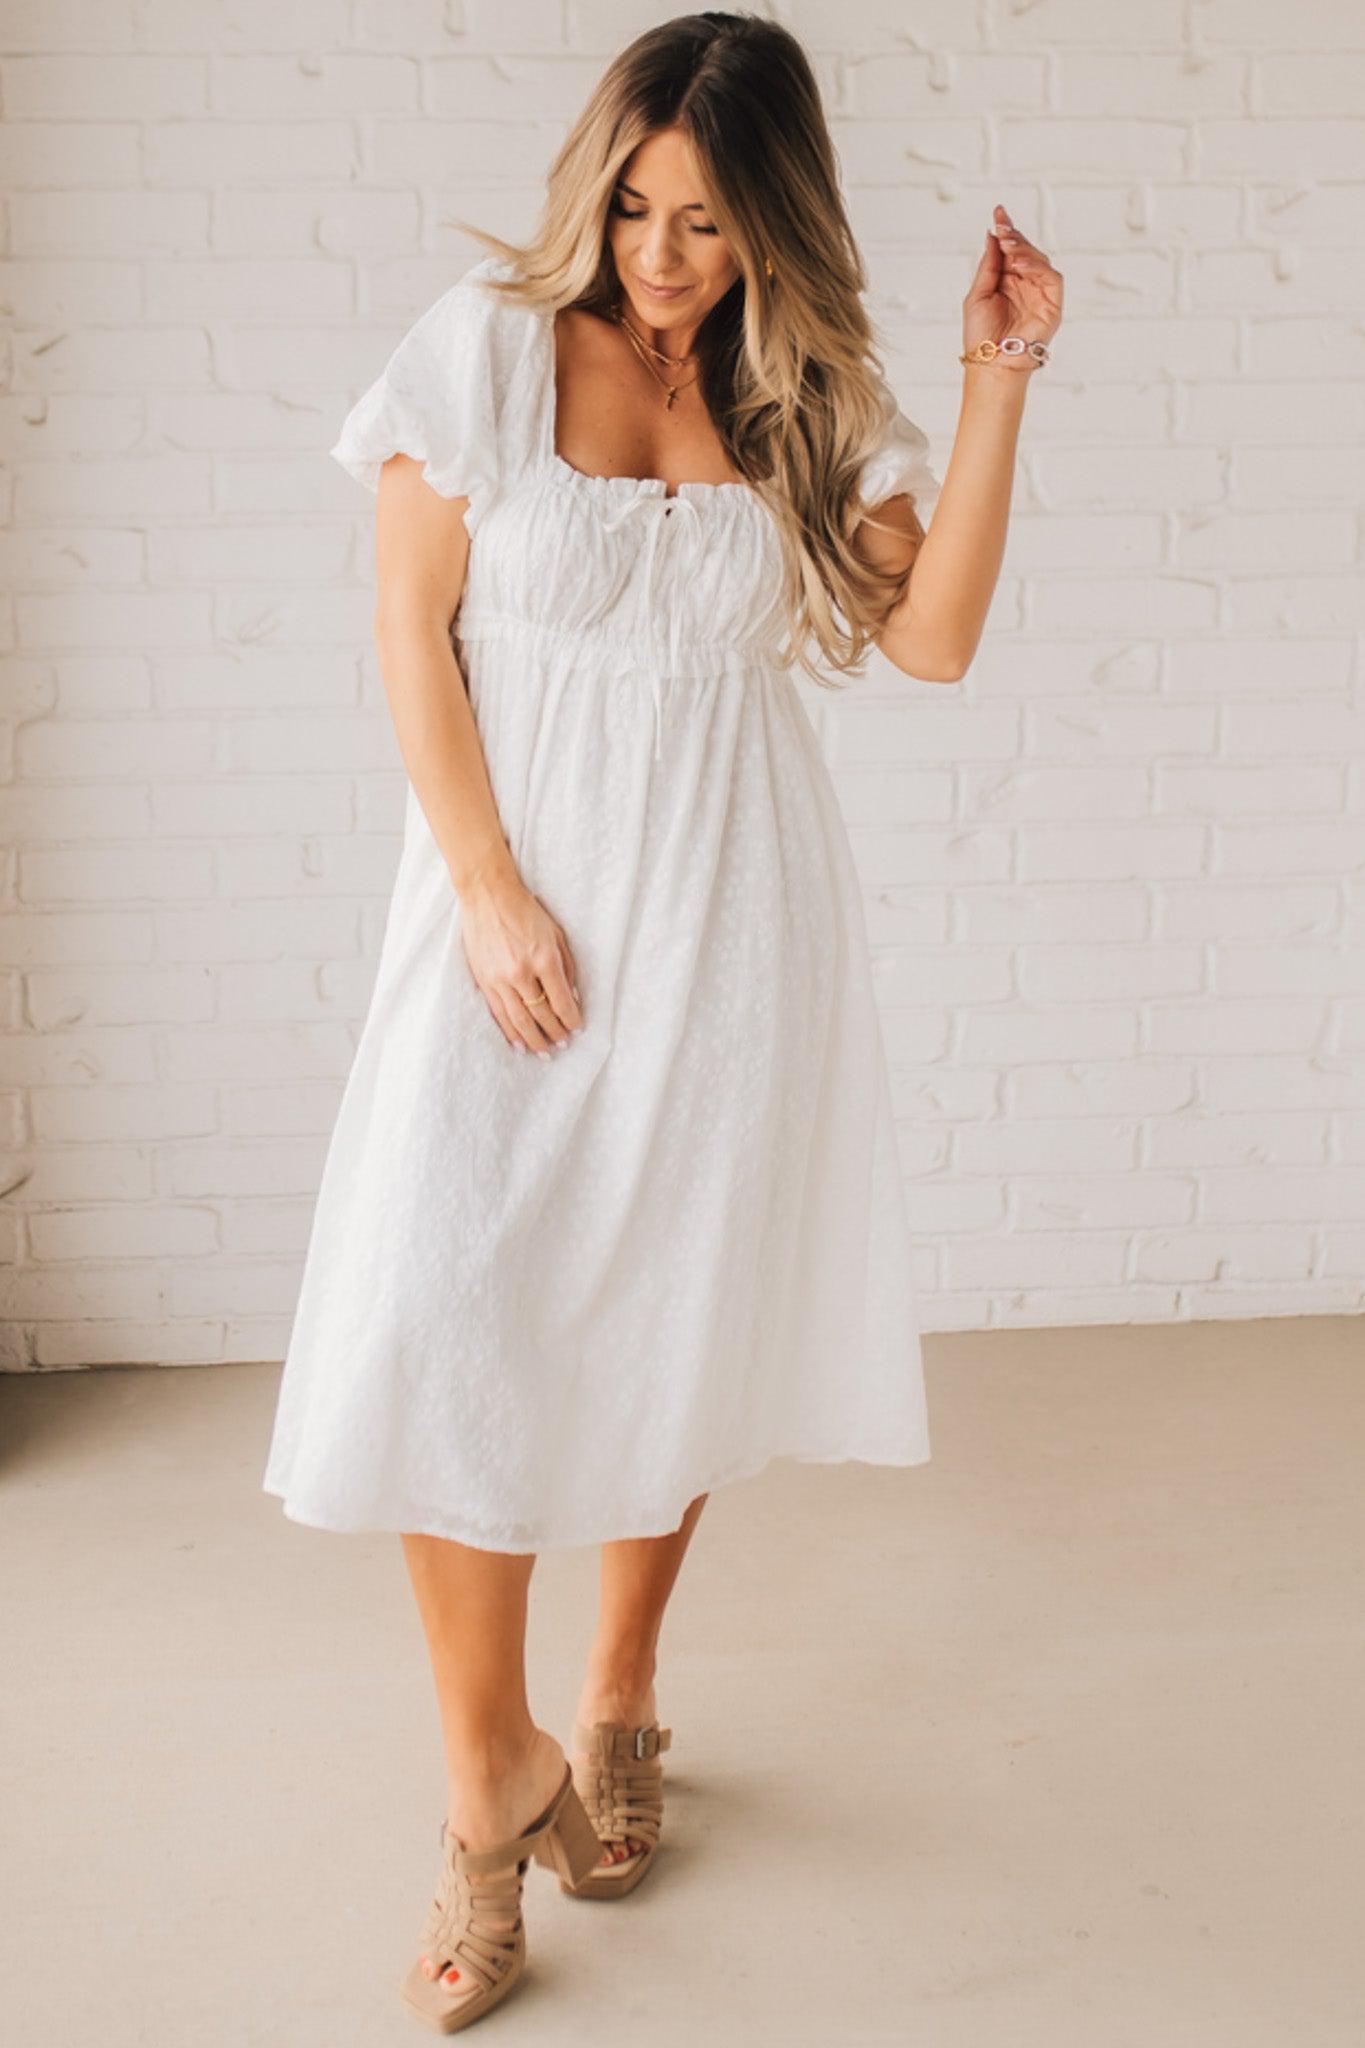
(934, 631)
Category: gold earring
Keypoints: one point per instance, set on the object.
(768, 265)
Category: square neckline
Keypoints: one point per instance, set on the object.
(656, 485)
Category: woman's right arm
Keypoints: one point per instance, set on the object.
(514, 947)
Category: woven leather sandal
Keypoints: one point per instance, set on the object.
(479, 1928)
(620, 1783)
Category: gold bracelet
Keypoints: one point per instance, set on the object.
(1012, 345)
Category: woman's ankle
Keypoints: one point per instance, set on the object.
(618, 1687)
(492, 1785)
(495, 1754)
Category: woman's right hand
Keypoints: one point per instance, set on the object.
(516, 953)
(1015, 291)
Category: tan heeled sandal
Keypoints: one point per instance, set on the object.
(620, 1784)
(478, 1929)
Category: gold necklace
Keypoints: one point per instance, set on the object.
(644, 350)
(657, 353)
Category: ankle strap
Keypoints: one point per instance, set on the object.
(614, 1738)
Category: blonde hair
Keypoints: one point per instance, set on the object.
(787, 362)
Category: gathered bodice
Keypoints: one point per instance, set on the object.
(631, 574)
(627, 575)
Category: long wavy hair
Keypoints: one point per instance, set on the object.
(788, 363)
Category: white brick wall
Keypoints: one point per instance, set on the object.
(1114, 880)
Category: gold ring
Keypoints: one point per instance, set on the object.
(531, 1001)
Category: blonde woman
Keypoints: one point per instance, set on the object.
(611, 1213)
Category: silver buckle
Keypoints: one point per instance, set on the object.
(640, 1735)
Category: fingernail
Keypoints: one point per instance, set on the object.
(541, 1053)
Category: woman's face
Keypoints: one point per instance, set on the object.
(660, 233)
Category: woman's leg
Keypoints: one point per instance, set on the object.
(501, 1769)
(638, 1575)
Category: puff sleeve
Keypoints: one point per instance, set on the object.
(436, 400)
(899, 463)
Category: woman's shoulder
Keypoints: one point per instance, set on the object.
(473, 310)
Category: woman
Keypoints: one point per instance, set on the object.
(622, 473)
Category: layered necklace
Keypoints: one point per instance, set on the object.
(646, 351)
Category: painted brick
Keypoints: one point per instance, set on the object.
(1112, 880)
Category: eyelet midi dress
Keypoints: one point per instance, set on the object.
(547, 1302)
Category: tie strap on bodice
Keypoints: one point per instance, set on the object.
(661, 509)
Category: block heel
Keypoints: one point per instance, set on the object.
(570, 1845)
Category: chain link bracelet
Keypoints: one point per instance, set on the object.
(1012, 345)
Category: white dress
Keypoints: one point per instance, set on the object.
(548, 1302)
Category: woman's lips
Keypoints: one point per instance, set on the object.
(658, 291)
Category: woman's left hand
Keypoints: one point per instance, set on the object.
(1015, 290)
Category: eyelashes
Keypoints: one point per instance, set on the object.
(625, 213)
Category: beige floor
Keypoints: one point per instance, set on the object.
(1054, 1740)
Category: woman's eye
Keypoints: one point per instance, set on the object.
(638, 213)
